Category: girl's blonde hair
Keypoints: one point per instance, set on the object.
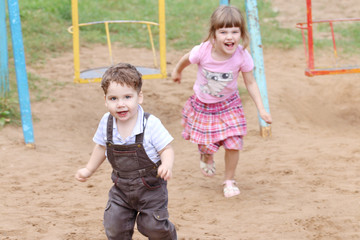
(227, 17)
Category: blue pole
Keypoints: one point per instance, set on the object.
(224, 2)
(20, 70)
(4, 70)
(257, 53)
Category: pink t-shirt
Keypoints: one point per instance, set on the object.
(217, 80)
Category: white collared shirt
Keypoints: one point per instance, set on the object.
(156, 137)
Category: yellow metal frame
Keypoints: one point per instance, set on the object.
(75, 30)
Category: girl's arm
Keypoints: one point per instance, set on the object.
(254, 92)
(167, 162)
(96, 159)
(183, 63)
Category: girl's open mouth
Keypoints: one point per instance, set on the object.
(229, 45)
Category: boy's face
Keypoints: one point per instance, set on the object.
(122, 102)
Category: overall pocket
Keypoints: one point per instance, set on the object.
(151, 181)
(125, 161)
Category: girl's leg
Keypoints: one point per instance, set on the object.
(232, 146)
(231, 161)
(207, 163)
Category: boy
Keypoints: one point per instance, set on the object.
(138, 148)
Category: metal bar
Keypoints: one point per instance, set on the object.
(304, 43)
(70, 29)
(333, 20)
(4, 69)
(313, 72)
(76, 44)
(162, 37)
(224, 2)
(109, 42)
(152, 45)
(20, 69)
(333, 40)
(257, 53)
(310, 35)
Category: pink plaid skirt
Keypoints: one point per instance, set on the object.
(210, 123)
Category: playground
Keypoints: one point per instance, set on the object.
(300, 183)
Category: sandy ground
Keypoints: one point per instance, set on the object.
(301, 183)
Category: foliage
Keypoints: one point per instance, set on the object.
(9, 111)
(45, 23)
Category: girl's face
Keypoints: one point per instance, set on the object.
(122, 102)
(226, 41)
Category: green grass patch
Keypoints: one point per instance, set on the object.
(45, 23)
(9, 111)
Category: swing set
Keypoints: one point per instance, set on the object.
(311, 70)
(95, 74)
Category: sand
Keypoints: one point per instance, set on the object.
(301, 183)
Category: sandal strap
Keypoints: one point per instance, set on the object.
(230, 188)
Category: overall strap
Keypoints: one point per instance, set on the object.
(140, 137)
(109, 130)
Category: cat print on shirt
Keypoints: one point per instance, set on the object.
(216, 82)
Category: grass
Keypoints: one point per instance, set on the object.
(45, 23)
(9, 111)
(347, 36)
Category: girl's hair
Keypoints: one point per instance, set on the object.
(227, 17)
(122, 73)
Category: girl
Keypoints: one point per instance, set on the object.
(214, 116)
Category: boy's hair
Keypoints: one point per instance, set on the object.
(122, 73)
(228, 17)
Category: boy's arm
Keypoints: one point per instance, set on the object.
(183, 63)
(96, 159)
(254, 92)
(167, 162)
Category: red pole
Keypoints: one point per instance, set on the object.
(333, 39)
(310, 35)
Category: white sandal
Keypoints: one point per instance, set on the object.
(230, 188)
(207, 168)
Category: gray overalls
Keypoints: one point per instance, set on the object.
(137, 194)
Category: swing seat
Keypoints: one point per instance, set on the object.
(95, 74)
(331, 71)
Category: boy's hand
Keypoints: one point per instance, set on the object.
(164, 172)
(83, 174)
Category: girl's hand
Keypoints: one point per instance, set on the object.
(266, 117)
(164, 172)
(176, 76)
(83, 174)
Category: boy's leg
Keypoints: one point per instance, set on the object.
(153, 220)
(119, 221)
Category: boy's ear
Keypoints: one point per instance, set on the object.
(141, 97)
(105, 101)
